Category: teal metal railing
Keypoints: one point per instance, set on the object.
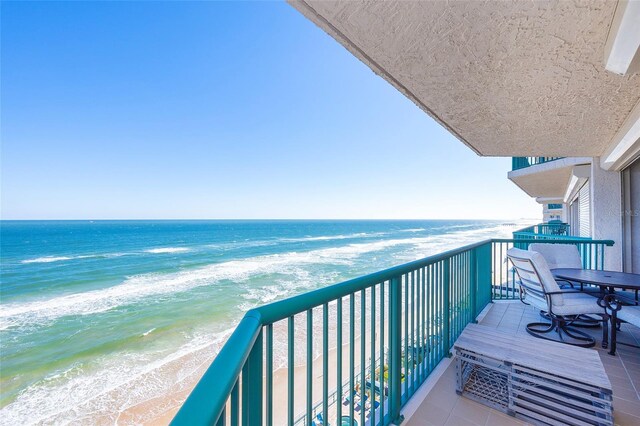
(355, 351)
(554, 206)
(545, 231)
(518, 163)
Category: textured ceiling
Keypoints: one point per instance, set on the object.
(507, 78)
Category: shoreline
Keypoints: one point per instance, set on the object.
(155, 394)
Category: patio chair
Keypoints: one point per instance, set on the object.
(538, 288)
(630, 314)
(566, 256)
(559, 256)
(620, 313)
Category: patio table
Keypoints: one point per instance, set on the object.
(608, 281)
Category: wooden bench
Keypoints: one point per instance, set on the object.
(536, 380)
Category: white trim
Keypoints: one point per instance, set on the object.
(625, 145)
(623, 42)
(579, 176)
(549, 200)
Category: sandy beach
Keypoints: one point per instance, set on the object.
(160, 410)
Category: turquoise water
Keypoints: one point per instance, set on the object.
(92, 311)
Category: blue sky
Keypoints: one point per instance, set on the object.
(218, 110)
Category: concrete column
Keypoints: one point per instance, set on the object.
(606, 212)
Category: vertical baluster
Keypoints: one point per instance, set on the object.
(339, 359)
(269, 386)
(439, 323)
(352, 367)
(405, 279)
(501, 281)
(412, 366)
(235, 403)
(363, 361)
(455, 301)
(432, 314)
(309, 365)
(429, 315)
(382, 349)
(325, 362)
(252, 385)
(446, 300)
(395, 340)
(473, 283)
(420, 327)
(290, 370)
(373, 355)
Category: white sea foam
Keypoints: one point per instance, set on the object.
(294, 264)
(126, 379)
(336, 237)
(76, 396)
(149, 285)
(162, 250)
(47, 259)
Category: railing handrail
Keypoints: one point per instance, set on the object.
(548, 237)
(542, 230)
(216, 384)
(282, 309)
(560, 240)
(221, 377)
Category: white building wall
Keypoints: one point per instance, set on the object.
(606, 212)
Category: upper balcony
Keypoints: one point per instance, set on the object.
(518, 163)
(362, 352)
(546, 177)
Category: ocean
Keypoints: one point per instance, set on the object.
(100, 317)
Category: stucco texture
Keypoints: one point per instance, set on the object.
(507, 78)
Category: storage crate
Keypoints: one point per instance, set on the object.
(532, 379)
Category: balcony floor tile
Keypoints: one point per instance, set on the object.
(442, 406)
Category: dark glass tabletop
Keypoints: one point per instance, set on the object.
(623, 280)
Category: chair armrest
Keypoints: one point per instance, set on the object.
(568, 291)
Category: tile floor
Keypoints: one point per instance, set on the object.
(442, 406)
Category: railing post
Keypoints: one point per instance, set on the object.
(395, 353)
(252, 386)
(473, 283)
(447, 306)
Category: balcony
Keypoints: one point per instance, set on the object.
(357, 352)
(545, 231)
(554, 206)
(518, 163)
(545, 177)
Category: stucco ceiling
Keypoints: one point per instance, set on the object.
(507, 78)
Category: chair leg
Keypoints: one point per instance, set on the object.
(558, 324)
(605, 331)
(581, 321)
